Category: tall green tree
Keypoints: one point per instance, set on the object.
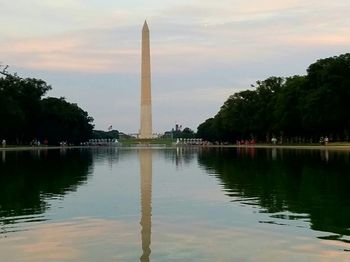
(287, 106)
(299, 108)
(20, 100)
(25, 115)
(63, 121)
(326, 102)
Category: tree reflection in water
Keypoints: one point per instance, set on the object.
(28, 178)
(312, 182)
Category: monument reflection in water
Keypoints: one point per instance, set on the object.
(145, 156)
(212, 204)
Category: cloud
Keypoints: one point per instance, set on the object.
(195, 45)
(83, 239)
(78, 51)
(197, 36)
(73, 240)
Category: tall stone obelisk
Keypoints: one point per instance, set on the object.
(146, 98)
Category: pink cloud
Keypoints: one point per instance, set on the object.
(69, 54)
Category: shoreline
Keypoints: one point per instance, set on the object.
(345, 147)
(333, 147)
(28, 148)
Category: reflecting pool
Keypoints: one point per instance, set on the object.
(175, 204)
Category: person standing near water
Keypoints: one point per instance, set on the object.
(3, 143)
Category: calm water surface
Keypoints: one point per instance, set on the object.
(175, 205)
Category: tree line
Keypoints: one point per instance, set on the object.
(100, 134)
(26, 116)
(293, 109)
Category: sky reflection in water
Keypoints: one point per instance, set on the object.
(174, 205)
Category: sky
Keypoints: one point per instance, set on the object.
(202, 51)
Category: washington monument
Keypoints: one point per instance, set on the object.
(146, 98)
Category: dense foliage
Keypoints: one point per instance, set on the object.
(26, 116)
(297, 108)
(185, 133)
(100, 134)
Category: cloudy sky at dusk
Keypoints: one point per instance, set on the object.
(202, 50)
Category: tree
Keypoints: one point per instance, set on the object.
(20, 105)
(25, 115)
(287, 107)
(63, 121)
(185, 133)
(100, 134)
(206, 130)
(298, 107)
(326, 102)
